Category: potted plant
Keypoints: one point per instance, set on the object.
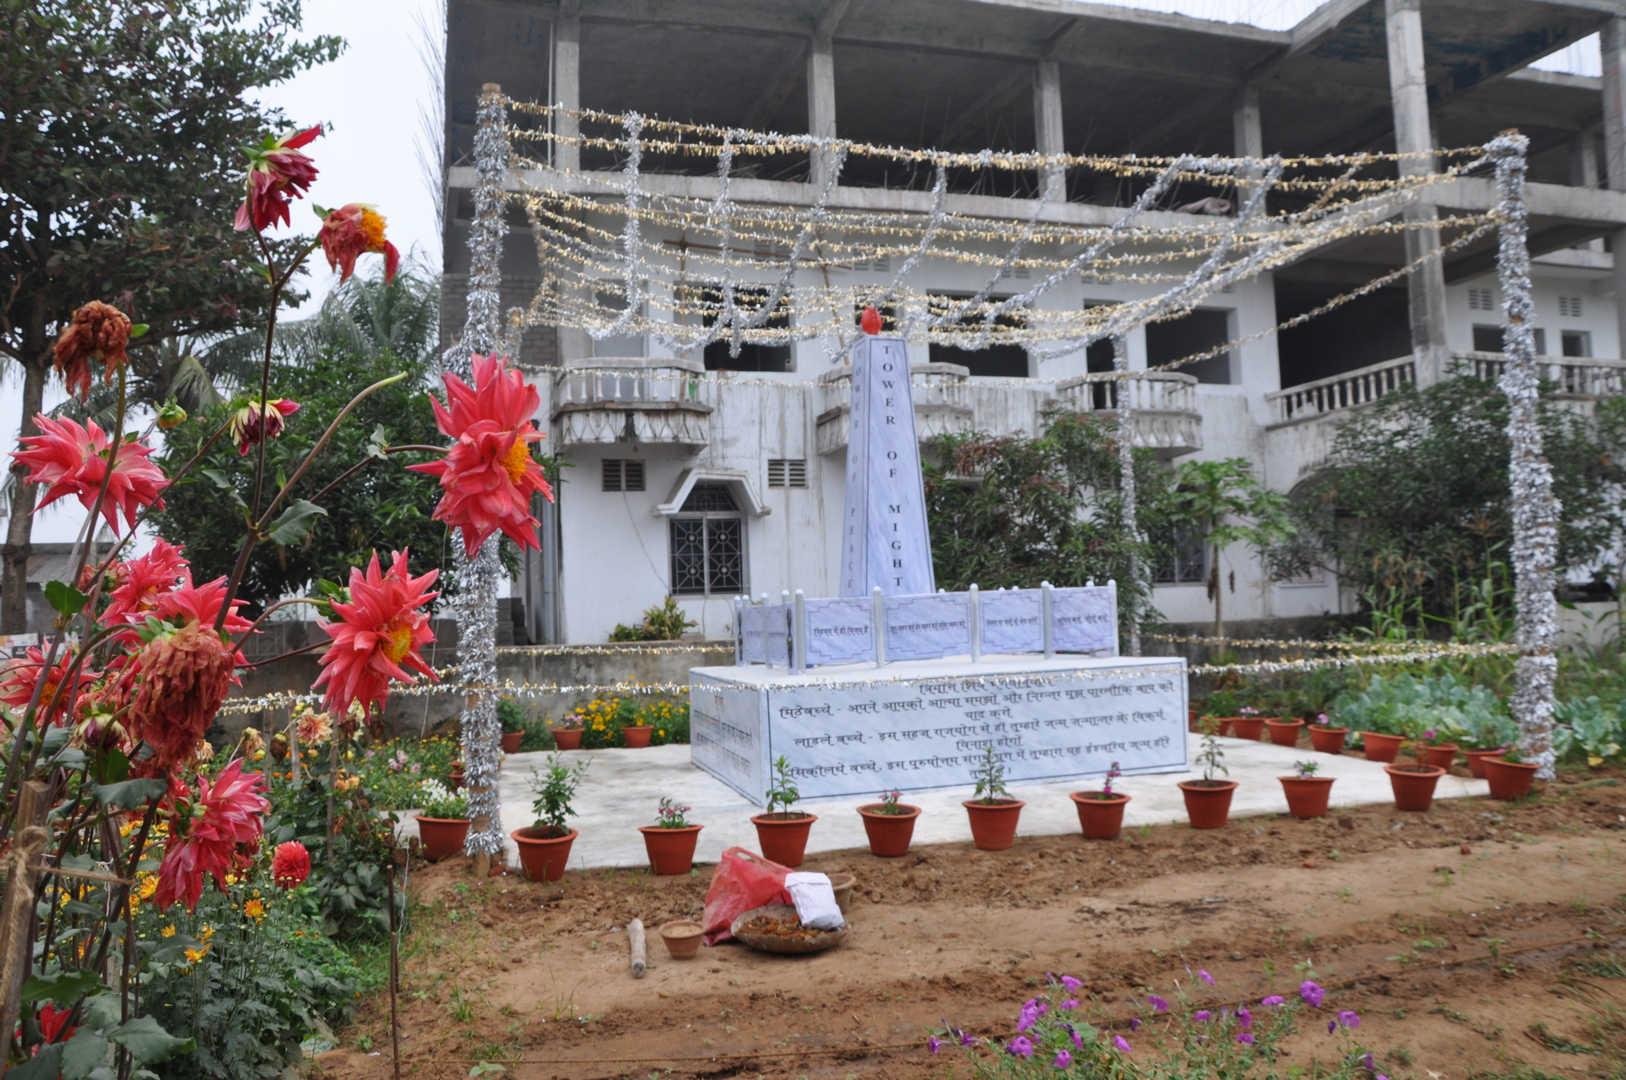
(1222, 707)
(1413, 784)
(635, 734)
(782, 832)
(992, 810)
(1326, 736)
(567, 731)
(1436, 747)
(512, 718)
(670, 841)
(1249, 723)
(544, 846)
(1101, 813)
(889, 824)
(1381, 746)
(443, 822)
(1509, 774)
(1208, 801)
(1487, 731)
(1306, 792)
(1284, 730)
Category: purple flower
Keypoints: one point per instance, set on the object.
(1121, 1043)
(1021, 1046)
(1073, 985)
(1201, 1015)
(1134, 1023)
(1332, 1026)
(1311, 993)
(1063, 1059)
(1157, 1003)
(1274, 999)
(966, 1039)
(1245, 1037)
(1202, 973)
(1350, 1019)
(1078, 1040)
(1030, 1015)
(1380, 1076)
(1369, 1064)
(1070, 1003)
(934, 1044)
(1244, 1018)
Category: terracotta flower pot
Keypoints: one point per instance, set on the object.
(1100, 818)
(454, 779)
(1224, 723)
(889, 834)
(1477, 759)
(671, 851)
(567, 738)
(783, 836)
(442, 837)
(542, 857)
(1328, 740)
(511, 741)
(1284, 732)
(993, 825)
(1248, 727)
(1413, 785)
(1208, 802)
(1307, 795)
(637, 736)
(682, 939)
(1509, 780)
(1380, 747)
(1442, 756)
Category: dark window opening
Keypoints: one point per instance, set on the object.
(999, 359)
(748, 299)
(1186, 561)
(1197, 332)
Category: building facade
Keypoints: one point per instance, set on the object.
(705, 475)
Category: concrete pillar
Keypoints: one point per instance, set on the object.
(1408, 91)
(567, 83)
(1247, 138)
(1585, 169)
(1613, 43)
(821, 103)
(1048, 137)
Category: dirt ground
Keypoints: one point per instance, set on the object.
(1481, 939)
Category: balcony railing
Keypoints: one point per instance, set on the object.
(1163, 405)
(1574, 376)
(1342, 392)
(606, 400)
(941, 394)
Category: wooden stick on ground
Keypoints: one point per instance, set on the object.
(635, 942)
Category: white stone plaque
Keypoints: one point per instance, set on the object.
(839, 630)
(1084, 620)
(927, 627)
(725, 734)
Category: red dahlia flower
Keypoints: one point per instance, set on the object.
(204, 833)
(354, 230)
(488, 475)
(97, 331)
(73, 460)
(260, 420)
(276, 170)
(19, 677)
(141, 581)
(54, 1023)
(290, 864)
(181, 679)
(378, 632)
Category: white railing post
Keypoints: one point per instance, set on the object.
(1046, 600)
(798, 635)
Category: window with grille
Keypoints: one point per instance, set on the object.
(1185, 560)
(708, 543)
(1481, 299)
(1569, 306)
(623, 474)
(787, 472)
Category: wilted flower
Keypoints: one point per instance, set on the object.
(260, 420)
(73, 461)
(1134, 1023)
(354, 230)
(171, 415)
(182, 678)
(97, 331)
(277, 169)
(250, 741)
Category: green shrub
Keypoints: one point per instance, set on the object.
(1587, 728)
(1406, 704)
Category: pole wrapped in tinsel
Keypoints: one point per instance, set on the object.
(1534, 509)
(1126, 484)
(476, 601)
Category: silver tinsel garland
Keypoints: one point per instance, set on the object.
(1530, 478)
(476, 600)
(1126, 484)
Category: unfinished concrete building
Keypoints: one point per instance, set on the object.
(736, 492)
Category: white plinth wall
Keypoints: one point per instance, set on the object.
(858, 729)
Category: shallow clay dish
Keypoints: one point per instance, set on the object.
(813, 941)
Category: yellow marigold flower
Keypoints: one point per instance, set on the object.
(146, 885)
(255, 909)
(168, 931)
(194, 955)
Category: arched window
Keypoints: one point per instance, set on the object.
(708, 543)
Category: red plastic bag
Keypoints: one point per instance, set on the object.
(743, 880)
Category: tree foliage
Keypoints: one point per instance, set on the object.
(1228, 505)
(1017, 511)
(322, 362)
(121, 128)
(1413, 502)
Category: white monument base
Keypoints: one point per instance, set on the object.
(858, 729)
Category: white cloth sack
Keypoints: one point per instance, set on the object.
(815, 900)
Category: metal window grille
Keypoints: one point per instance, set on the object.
(1481, 299)
(622, 474)
(708, 543)
(787, 472)
(1187, 560)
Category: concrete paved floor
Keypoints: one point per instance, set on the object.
(621, 788)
